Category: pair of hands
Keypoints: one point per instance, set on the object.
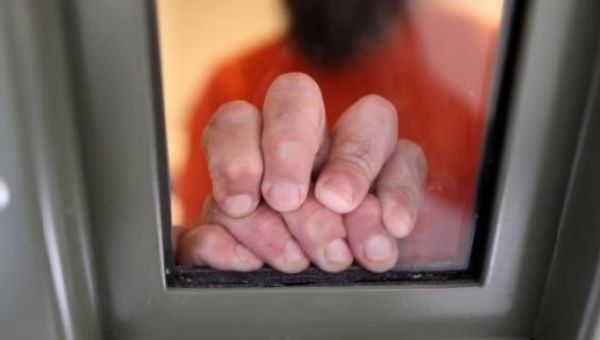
(287, 192)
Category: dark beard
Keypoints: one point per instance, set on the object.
(333, 32)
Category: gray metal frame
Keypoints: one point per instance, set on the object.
(47, 285)
(571, 305)
(109, 156)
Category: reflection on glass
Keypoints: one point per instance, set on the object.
(432, 59)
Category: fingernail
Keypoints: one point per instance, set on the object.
(238, 205)
(378, 248)
(399, 222)
(292, 254)
(337, 252)
(284, 196)
(337, 194)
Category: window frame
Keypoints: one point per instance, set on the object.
(109, 41)
(507, 49)
(574, 278)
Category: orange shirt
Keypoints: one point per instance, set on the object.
(437, 116)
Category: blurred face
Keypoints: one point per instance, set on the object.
(331, 32)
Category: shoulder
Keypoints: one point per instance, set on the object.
(239, 76)
(457, 44)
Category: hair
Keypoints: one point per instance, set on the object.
(333, 32)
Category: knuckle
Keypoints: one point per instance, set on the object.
(294, 124)
(233, 112)
(295, 104)
(359, 163)
(229, 114)
(288, 150)
(358, 154)
(209, 236)
(237, 170)
(243, 169)
(406, 195)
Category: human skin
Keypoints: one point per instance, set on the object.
(287, 192)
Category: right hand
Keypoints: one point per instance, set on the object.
(275, 154)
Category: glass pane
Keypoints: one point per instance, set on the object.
(432, 60)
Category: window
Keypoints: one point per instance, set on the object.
(435, 61)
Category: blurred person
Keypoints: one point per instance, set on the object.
(330, 145)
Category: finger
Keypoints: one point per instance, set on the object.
(212, 245)
(321, 234)
(176, 233)
(399, 187)
(363, 139)
(293, 129)
(265, 234)
(232, 146)
(372, 245)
